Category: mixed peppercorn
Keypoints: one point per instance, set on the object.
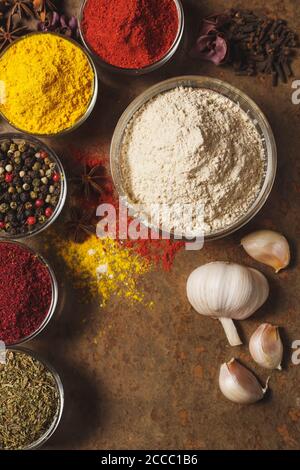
(30, 187)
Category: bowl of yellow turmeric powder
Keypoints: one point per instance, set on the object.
(48, 84)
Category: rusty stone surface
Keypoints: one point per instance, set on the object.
(148, 379)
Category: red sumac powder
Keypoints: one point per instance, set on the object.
(130, 33)
(25, 292)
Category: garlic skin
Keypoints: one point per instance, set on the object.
(266, 347)
(227, 291)
(268, 247)
(239, 385)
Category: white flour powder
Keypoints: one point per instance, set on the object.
(193, 146)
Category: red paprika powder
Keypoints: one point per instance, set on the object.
(25, 292)
(130, 33)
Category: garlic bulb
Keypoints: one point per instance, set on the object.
(268, 247)
(227, 291)
(239, 384)
(266, 346)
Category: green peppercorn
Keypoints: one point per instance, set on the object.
(47, 161)
(13, 147)
(42, 219)
(53, 200)
(42, 173)
(28, 205)
(36, 166)
(3, 208)
(51, 189)
(22, 146)
(19, 189)
(5, 146)
(17, 160)
(49, 173)
(52, 166)
(44, 180)
(33, 195)
(17, 154)
(36, 182)
(11, 190)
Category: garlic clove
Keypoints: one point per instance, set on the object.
(266, 346)
(239, 384)
(268, 247)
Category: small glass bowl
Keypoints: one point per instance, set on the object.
(143, 70)
(235, 95)
(63, 181)
(93, 100)
(54, 299)
(46, 436)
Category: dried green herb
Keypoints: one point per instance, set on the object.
(29, 400)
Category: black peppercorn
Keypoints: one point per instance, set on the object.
(17, 180)
(24, 197)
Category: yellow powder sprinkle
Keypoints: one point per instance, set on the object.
(104, 268)
(47, 83)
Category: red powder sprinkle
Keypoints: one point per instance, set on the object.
(25, 293)
(158, 252)
(130, 33)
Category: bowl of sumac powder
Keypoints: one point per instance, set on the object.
(193, 156)
(28, 294)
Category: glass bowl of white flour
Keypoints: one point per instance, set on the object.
(193, 156)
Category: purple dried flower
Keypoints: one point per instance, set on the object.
(54, 20)
(73, 23)
(213, 47)
(62, 20)
(212, 44)
(60, 24)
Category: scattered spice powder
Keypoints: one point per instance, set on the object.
(103, 267)
(25, 294)
(156, 252)
(130, 33)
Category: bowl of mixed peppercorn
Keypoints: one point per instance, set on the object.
(32, 186)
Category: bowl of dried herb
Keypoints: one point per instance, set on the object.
(32, 400)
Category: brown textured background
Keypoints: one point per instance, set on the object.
(140, 379)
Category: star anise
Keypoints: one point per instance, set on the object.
(22, 8)
(9, 33)
(91, 180)
(42, 7)
(80, 223)
(4, 8)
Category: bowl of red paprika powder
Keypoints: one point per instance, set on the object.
(28, 294)
(131, 37)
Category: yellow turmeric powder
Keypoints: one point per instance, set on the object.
(104, 268)
(47, 83)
